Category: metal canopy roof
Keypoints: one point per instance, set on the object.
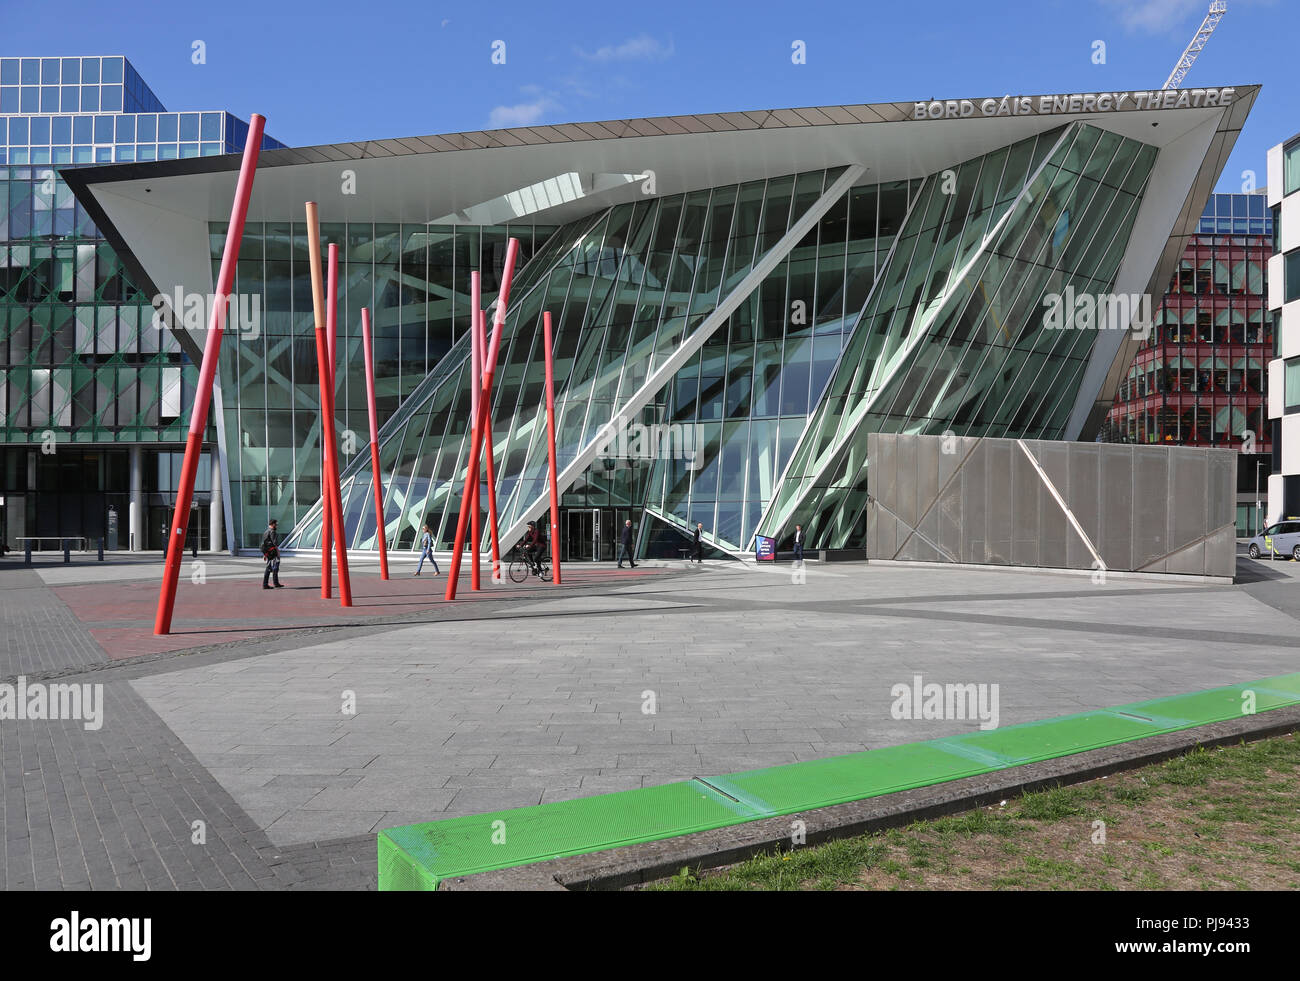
(423, 178)
(156, 214)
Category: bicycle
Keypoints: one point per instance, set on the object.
(520, 569)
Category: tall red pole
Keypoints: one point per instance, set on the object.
(488, 449)
(331, 346)
(207, 375)
(380, 531)
(330, 502)
(475, 380)
(550, 446)
(476, 443)
(340, 532)
(322, 352)
(327, 517)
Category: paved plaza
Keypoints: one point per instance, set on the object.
(294, 730)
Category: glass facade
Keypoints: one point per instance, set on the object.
(73, 85)
(80, 360)
(747, 394)
(953, 338)
(413, 278)
(904, 307)
(627, 289)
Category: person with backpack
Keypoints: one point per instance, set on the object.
(271, 556)
(426, 551)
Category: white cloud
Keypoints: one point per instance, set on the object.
(1170, 16)
(520, 114)
(640, 48)
(1156, 16)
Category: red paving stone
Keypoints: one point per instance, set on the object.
(120, 616)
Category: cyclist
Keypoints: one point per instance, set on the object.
(533, 548)
(541, 554)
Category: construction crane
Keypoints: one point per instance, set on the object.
(1217, 9)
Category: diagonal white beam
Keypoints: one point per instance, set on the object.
(860, 411)
(1056, 496)
(661, 375)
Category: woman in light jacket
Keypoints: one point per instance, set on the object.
(426, 551)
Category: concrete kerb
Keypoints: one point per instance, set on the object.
(1109, 573)
(621, 868)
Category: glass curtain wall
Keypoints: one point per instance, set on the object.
(954, 338)
(746, 396)
(413, 278)
(625, 288)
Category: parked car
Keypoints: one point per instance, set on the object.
(1281, 539)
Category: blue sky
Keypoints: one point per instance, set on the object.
(332, 71)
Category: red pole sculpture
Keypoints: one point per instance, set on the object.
(327, 517)
(476, 447)
(207, 375)
(550, 446)
(330, 502)
(331, 346)
(489, 448)
(339, 531)
(380, 532)
(475, 380)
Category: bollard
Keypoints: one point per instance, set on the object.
(101, 550)
(67, 553)
(27, 554)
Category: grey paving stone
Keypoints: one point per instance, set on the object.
(458, 716)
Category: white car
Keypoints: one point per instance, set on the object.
(1281, 539)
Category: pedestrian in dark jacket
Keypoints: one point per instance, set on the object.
(271, 556)
(626, 548)
(699, 545)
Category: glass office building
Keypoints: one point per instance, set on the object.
(748, 295)
(92, 394)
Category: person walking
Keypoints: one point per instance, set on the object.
(626, 548)
(798, 543)
(426, 551)
(271, 556)
(698, 554)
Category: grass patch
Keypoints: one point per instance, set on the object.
(1225, 818)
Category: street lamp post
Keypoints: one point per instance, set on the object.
(1259, 507)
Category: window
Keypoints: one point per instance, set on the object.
(1291, 168)
(1291, 276)
(1291, 386)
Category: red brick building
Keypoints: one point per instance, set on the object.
(1201, 378)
